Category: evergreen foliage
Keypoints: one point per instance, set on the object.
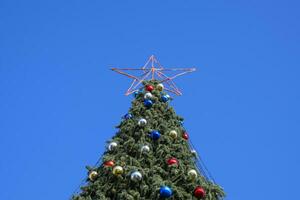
(153, 165)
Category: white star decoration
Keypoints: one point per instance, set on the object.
(153, 70)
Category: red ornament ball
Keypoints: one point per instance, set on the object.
(172, 161)
(109, 163)
(199, 192)
(149, 88)
(185, 136)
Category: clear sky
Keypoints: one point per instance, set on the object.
(59, 103)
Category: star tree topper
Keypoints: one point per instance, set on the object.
(153, 70)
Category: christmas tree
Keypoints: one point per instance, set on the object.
(151, 156)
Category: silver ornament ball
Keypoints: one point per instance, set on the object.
(112, 146)
(142, 122)
(145, 149)
(148, 95)
(136, 176)
(194, 152)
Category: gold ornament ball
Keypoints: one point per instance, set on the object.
(192, 174)
(93, 175)
(160, 87)
(118, 170)
(173, 134)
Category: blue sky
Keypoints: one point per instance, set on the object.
(59, 103)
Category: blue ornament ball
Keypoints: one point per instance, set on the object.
(155, 135)
(165, 98)
(148, 103)
(165, 191)
(128, 116)
(136, 93)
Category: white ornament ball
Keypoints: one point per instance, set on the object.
(112, 146)
(93, 175)
(160, 87)
(194, 152)
(145, 149)
(142, 122)
(136, 176)
(173, 134)
(192, 174)
(148, 95)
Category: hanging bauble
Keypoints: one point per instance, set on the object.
(145, 149)
(136, 93)
(173, 134)
(148, 103)
(165, 191)
(127, 116)
(136, 176)
(148, 95)
(142, 122)
(109, 163)
(118, 170)
(172, 161)
(149, 88)
(185, 136)
(93, 175)
(165, 98)
(192, 174)
(199, 192)
(160, 87)
(112, 146)
(155, 135)
(194, 152)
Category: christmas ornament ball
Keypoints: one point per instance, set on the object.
(160, 87)
(112, 146)
(136, 176)
(199, 192)
(165, 191)
(148, 95)
(192, 174)
(128, 116)
(173, 134)
(136, 93)
(145, 149)
(118, 170)
(185, 136)
(172, 161)
(155, 135)
(148, 103)
(109, 163)
(149, 88)
(93, 175)
(165, 98)
(194, 152)
(142, 122)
